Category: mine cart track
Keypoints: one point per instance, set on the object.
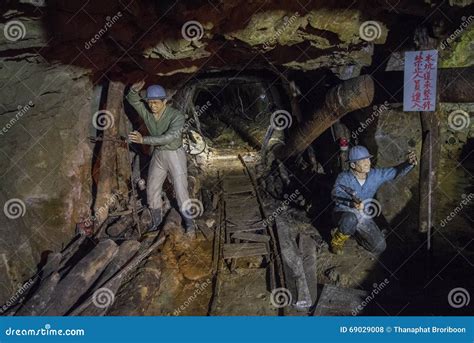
(242, 231)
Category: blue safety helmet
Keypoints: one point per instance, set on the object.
(358, 153)
(155, 92)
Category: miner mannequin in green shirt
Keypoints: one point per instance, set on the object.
(165, 125)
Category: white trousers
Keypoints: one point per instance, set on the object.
(162, 163)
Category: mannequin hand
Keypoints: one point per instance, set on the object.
(135, 137)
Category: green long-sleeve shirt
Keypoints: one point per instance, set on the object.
(166, 133)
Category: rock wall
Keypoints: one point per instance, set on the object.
(45, 119)
(389, 133)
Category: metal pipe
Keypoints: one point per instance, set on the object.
(346, 97)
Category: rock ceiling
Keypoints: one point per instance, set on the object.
(167, 38)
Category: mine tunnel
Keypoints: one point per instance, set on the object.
(267, 106)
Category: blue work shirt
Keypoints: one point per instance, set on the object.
(375, 178)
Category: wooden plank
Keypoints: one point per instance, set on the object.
(233, 250)
(239, 191)
(242, 175)
(338, 301)
(245, 222)
(247, 236)
(237, 185)
(309, 247)
(246, 212)
(235, 179)
(243, 228)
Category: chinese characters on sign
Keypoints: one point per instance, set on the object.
(419, 91)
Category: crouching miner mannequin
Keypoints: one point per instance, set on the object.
(165, 125)
(353, 194)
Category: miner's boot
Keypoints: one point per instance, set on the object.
(156, 219)
(188, 223)
(338, 241)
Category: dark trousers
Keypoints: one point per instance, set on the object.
(363, 228)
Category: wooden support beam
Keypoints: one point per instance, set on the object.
(123, 155)
(40, 300)
(125, 252)
(429, 162)
(108, 154)
(80, 278)
(430, 149)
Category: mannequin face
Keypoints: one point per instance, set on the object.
(156, 105)
(361, 166)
